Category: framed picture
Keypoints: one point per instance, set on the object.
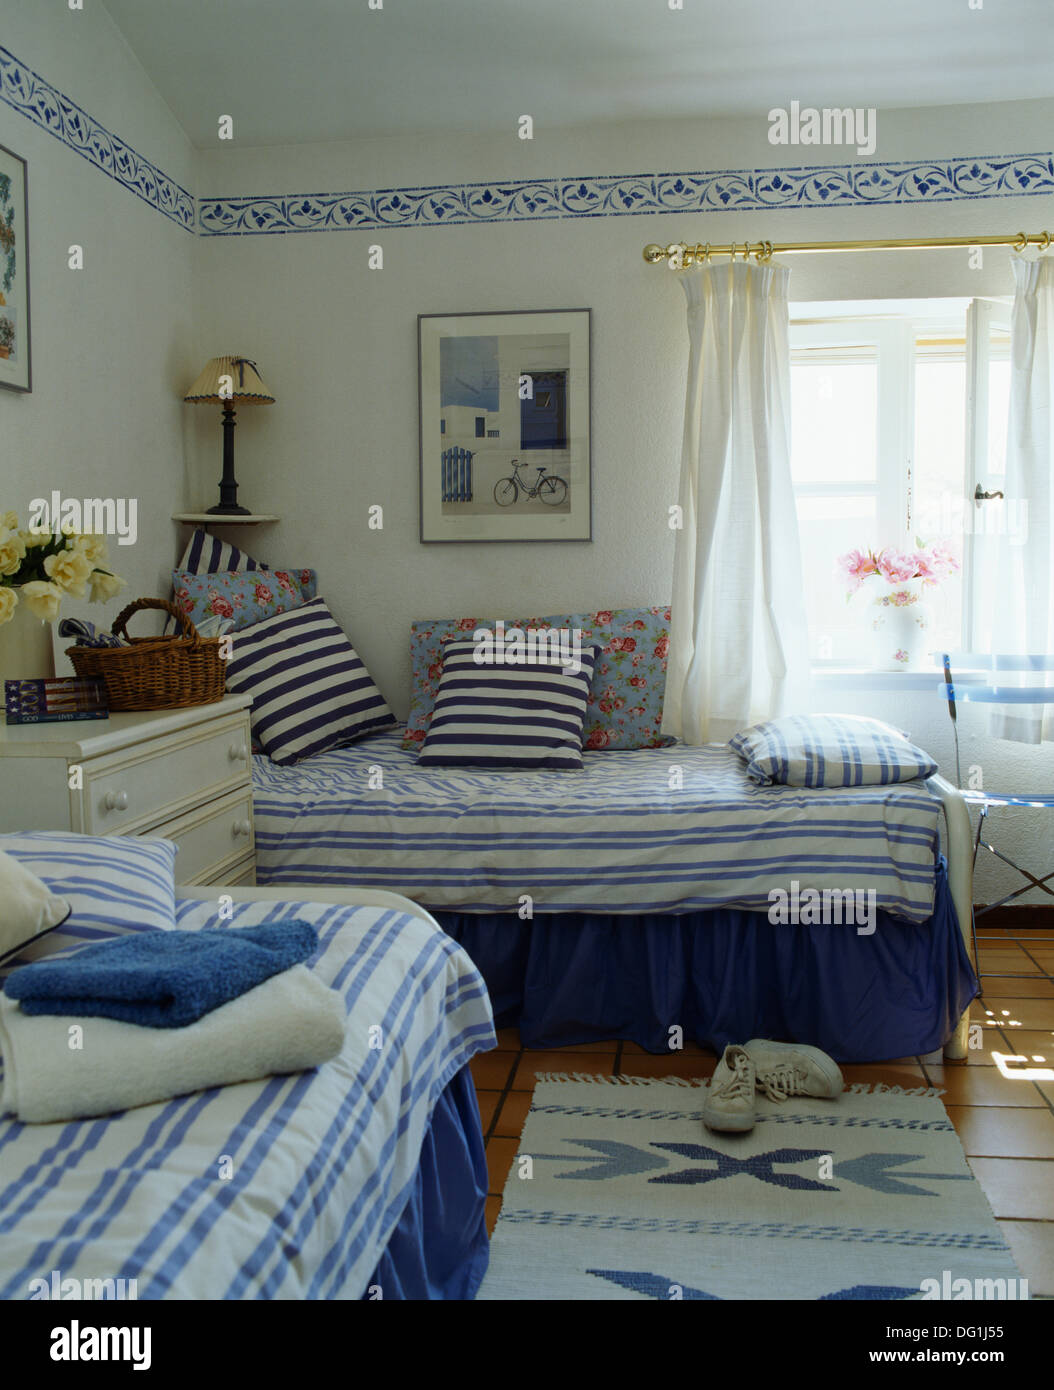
(505, 426)
(15, 372)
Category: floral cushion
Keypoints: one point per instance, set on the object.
(625, 703)
(246, 596)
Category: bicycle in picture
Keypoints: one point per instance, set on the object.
(548, 487)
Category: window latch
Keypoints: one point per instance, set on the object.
(980, 495)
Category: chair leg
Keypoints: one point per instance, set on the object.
(973, 914)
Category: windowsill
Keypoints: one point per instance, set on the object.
(861, 678)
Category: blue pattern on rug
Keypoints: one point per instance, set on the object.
(866, 1170)
(654, 1286)
(760, 1166)
(780, 1230)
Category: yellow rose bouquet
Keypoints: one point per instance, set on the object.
(41, 569)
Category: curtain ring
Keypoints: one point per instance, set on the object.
(1021, 242)
(733, 254)
(1045, 243)
(706, 254)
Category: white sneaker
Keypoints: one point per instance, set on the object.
(791, 1069)
(729, 1103)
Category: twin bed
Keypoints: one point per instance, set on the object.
(363, 1178)
(633, 897)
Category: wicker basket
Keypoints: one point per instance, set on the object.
(155, 672)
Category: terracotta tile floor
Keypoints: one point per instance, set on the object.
(1005, 1122)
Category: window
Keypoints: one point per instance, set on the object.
(892, 429)
(481, 426)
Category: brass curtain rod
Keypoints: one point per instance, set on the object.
(679, 255)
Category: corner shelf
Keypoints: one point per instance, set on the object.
(199, 518)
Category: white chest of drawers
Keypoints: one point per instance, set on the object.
(185, 775)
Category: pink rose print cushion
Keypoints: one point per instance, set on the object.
(625, 702)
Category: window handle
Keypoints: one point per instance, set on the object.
(980, 495)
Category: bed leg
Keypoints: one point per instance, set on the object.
(956, 1046)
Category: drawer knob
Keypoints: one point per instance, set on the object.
(237, 752)
(116, 801)
(242, 827)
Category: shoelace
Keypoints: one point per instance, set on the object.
(782, 1081)
(740, 1085)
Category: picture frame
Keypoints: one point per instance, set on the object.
(505, 426)
(16, 371)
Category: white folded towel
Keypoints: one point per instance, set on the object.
(289, 1023)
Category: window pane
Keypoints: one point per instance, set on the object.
(829, 527)
(834, 422)
(939, 504)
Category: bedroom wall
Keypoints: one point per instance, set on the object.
(111, 342)
(337, 343)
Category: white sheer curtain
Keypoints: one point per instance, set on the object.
(738, 636)
(1025, 573)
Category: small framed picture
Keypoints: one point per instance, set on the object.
(15, 370)
(505, 426)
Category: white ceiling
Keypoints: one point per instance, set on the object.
(293, 71)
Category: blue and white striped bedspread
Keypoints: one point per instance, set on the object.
(320, 1162)
(653, 830)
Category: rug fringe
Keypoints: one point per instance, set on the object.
(619, 1080)
(857, 1088)
(879, 1088)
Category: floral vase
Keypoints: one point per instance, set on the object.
(901, 625)
(26, 651)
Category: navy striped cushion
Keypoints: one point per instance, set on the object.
(206, 554)
(829, 750)
(310, 690)
(505, 715)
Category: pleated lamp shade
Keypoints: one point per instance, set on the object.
(243, 384)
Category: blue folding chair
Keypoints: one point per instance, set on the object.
(985, 801)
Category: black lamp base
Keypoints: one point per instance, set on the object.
(228, 503)
(222, 510)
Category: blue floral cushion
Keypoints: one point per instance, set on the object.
(626, 698)
(244, 596)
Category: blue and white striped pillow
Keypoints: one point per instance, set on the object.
(310, 690)
(506, 715)
(113, 883)
(829, 750)
(206, 554)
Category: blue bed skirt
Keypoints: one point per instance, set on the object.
(439, 1248)
(724, 975)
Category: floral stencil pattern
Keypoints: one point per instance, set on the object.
(625, 703)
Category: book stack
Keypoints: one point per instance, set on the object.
(51, 701)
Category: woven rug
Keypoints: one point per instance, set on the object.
(619, 1191)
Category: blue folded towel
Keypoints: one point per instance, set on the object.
(163, 979)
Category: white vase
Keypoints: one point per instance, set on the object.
(26, 651)
(901, 627)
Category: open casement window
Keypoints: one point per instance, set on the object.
(987, 406)
(888, 435)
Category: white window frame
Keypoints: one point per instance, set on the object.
(892, 338)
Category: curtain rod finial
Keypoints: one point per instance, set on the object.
(653, 254)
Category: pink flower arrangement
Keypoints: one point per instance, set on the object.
(930, 563)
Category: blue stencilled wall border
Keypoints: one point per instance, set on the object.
(522, 200)
(914, 181)
(46, 107)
